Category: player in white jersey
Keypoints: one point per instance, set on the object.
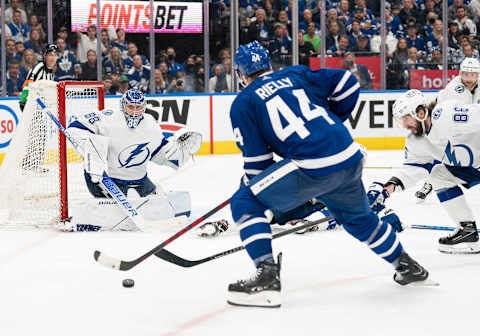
(462, 89)
(450, 133)
(121, 143)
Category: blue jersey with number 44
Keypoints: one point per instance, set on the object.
(297, 113)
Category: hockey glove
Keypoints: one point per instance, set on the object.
(388, 216)
(376, 197)
(212, 229)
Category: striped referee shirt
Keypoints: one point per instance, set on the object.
(39, 71)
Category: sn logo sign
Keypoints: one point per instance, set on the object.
(169, 107)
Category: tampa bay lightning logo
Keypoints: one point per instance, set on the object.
(107, 112)
(134, 155)
(459, 155)
(459, 88)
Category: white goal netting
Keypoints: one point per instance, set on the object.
(41, 170)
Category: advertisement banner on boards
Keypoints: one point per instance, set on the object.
(134, 16)
(429, 79)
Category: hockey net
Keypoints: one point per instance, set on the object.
(41, 170)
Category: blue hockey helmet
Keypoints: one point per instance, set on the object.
(133, 106)
(251, 58)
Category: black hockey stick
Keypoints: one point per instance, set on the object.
(174, 259)
(122, 265)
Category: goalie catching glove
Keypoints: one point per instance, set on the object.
(181, 147)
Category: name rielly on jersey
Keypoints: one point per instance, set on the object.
(268, 89)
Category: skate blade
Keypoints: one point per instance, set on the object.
(462, 248)
(425, 283)
(264, 299)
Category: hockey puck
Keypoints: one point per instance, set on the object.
(128, 283)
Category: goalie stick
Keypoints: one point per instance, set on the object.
(122, 265)
(110, 186)
(174, 259)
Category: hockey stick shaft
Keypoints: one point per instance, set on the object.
(432, 227)
(174, 259)
(113, 190)
(126, 265)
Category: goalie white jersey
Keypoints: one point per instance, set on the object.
(455, 90)
(129, 149)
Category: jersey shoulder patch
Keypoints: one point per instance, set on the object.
(459, 88)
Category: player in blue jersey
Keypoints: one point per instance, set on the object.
(298, 114)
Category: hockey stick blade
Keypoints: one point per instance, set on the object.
(432, 227)
(122, 265)
(174, 259)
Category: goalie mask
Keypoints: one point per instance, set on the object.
(408, 105)
(133, 105)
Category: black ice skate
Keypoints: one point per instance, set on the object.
(463, 240)
(263, 289)
(422, 194)
(411, 272)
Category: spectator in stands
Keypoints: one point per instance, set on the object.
(177, 85)
(465, 25)
(415, 40)
(468, 51)
(270, 12)
(163, 66)
(160, 85)
(107, 84)
(35, 44)
(123, 85)
(280, 47)
(369, 26)
(332, 16)
(89, 68)
(18, 29)
(29, 60)
(19, 48)
(452, 9)
(86, 42)
(430, 7)
(120, 42)
(132, 52)
(408, 11)
(367, 13)
(106, 44)
(35, 23)
(360, 71)
(63, 33)
(14, 81)
(227, 66)
(435, 61)
(435, 36)
(343, 11)
(307, 19)
(453, 35)
(11, 51)
(343, 47)
(312, 37)
(332, 35)
(66, 62)
(139, 74)
(175, 69)
(394, 24)
(397, 76)
(413, 61)
(305, 50)
(362, 48)
(14, 6)
(115, 82)
(259, 30)
(283, 19)
(114, 62)
(218, 83)
(355, 32)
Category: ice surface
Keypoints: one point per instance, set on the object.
(333, 285)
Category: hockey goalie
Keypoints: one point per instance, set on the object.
(121, 143)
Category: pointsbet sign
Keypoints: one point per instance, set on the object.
(134, 16)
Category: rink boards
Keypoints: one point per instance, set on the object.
(371, 124)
